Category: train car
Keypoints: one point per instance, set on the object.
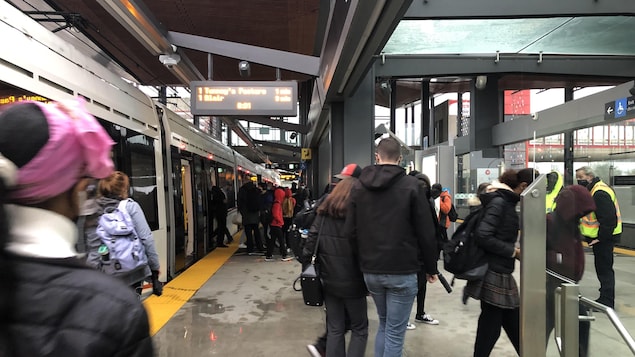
(172, 164)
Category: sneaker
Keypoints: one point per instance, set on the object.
(313, 350)
(426, 319)
(410, 326)
(242, 246)
(269, 259)
(286, 258)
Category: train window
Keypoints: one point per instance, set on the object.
(226, 183)
(133, 154)
(143, 181)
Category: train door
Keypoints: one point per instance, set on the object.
(178, 244)
(199, 203)
(210, 222)
(188, 211)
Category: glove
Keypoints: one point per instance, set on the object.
(157, 286)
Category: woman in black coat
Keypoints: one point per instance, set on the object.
(497, 233)
(344, 288)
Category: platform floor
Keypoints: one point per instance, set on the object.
(245, 306)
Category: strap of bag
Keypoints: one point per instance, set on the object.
(317, 242)
(122, 207)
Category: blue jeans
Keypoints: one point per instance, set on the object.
(394, 296)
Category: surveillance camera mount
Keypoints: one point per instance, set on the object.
(170, 60)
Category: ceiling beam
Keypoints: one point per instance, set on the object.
(383, 28)
(460, 9)
(357, 30)
(266, 56)
(416, 66)
(138, 20)
(276, 123)
(276, 145)
(580, 113)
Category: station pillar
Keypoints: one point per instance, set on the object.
(352, 127)
(486, 110)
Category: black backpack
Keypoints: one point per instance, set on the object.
(462, 256)
(300, 226)
(452, 215)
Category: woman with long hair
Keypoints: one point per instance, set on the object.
(343, 282)
(111, 191)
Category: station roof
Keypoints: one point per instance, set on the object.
(331, 44)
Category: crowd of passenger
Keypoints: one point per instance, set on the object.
(55, 166)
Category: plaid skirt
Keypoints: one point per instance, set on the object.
(496, 289)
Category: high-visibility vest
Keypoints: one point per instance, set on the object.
(589, 225)
(550, 203)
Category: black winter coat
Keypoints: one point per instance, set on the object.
(498, 229)
(63, 308)
(337, 258)
(390, 221)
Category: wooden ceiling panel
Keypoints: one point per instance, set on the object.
(286, 25)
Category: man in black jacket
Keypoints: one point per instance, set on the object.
(390, 242)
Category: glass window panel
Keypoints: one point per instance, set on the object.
(606, 35)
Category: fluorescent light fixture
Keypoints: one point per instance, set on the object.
(138, 24)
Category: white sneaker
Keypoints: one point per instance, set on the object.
(242, 246)
(314, 351)
(426, 319)
(410, 326)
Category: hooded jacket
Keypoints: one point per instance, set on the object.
(445, 204)
(276, 208)
(565, 254)
(391, 223)
(497, 231)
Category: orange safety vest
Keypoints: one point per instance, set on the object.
(589, 225)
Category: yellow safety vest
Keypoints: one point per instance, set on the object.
(550, 203)
(589, 225)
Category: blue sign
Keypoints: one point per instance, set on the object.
(623, 108)
(620, 108)
(303, 166)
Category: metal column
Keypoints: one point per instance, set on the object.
(532, 271)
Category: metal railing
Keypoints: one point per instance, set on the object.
(567, 318)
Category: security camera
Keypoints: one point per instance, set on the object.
(480, 82)
(170, 60)
(244, 69)
(534, 116)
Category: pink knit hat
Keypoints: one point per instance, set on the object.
(77, 147)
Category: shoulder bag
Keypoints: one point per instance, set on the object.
(310, 278)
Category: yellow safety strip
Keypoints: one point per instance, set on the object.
(181, 289)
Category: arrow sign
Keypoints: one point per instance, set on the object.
(622, 108)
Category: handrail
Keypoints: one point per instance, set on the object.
(595, 306)
(615, 320)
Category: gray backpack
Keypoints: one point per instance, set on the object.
(122, 250)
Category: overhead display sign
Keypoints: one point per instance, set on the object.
(273, 98)
(623, 108)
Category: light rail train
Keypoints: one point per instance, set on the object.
(171, 163)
